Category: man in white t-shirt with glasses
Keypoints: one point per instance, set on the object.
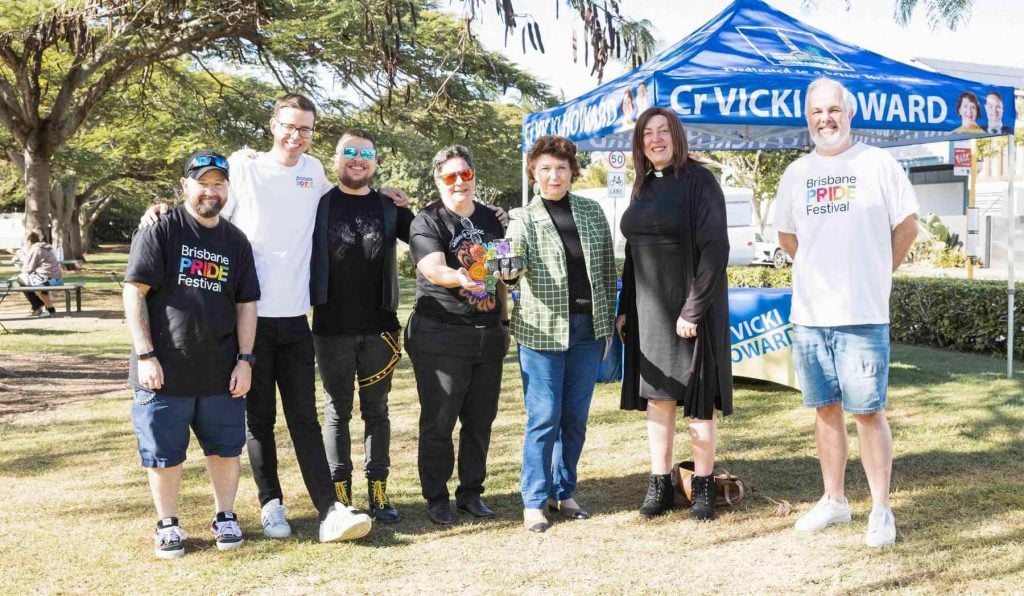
(847, 215)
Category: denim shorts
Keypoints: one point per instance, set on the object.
(847, 364)
(162, 423)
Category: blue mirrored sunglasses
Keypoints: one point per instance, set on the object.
(201, 161)
(351, 152)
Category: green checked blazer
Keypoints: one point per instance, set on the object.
(540, 320)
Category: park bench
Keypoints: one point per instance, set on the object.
(68, 288)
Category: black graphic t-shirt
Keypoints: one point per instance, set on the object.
(355, 243)
(196, 276)
(462, 240)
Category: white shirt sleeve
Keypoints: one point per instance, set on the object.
(900, 199)
(323, 185)
(238, 162)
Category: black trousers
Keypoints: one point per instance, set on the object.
(343, 359)
(284, 360)
(458, 377)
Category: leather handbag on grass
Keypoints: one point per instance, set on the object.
(730, 490)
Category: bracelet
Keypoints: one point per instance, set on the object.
(147, 355)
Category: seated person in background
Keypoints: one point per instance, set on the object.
(40, 268)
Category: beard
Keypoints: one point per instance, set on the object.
(830, 141)
(205, 209)
(353, 183)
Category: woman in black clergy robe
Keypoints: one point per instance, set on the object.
(674, 307)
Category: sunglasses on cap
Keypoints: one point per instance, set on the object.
(366, 153)
(201, 161)
(450, 178)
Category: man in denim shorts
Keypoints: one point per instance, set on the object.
(190, 302)
(847, 215)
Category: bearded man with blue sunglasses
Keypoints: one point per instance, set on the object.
(355, 320)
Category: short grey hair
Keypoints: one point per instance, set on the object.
(451, 152)
(849, 101)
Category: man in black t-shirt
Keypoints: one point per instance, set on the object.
(190, 303)
(355, 330)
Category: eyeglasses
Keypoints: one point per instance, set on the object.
(450, 177)
(201, 161)
(305, 132)
(367, 153)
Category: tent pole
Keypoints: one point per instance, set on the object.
(1010, 285)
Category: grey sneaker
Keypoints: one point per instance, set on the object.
(226, 531)
(169, 539)
(275, 524)
(881, 528)
(824, 514)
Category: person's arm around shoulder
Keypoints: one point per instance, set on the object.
(901, 201)
(136, 314)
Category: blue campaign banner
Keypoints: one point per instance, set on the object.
(738, 82)
(761, 334)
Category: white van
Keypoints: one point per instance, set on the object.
(12, 230)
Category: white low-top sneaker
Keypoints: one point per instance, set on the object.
(823, 515)
(344, 523)
(275, 522)
(881, 528)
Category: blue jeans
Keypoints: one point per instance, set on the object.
(848, 364)
(557, 389)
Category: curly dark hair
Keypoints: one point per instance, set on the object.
(557, 147)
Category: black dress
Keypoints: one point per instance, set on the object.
(676, 253)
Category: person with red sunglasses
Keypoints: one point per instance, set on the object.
(456, 337)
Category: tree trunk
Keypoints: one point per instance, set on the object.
(74, 249)
(37, 191)
(62, 202)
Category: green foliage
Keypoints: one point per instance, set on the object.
(950, 257)
(406, 268)
(958, 314)
(759, 277)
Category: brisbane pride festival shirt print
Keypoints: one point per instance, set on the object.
(843, 209)
(196, 276)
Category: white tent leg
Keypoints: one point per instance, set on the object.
(1012, 158)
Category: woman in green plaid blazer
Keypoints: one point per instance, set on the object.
(562, 322)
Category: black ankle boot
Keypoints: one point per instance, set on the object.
(343, 491)
(381, 508)
(703, 508)
(660, 496)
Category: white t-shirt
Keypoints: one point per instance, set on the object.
(275, 206)
(843, 210)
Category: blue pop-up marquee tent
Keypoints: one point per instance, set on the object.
(738, 83)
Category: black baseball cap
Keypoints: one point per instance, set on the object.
(202, 162)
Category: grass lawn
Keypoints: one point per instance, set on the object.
(76, 516)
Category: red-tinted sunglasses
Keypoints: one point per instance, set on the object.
(449, 178)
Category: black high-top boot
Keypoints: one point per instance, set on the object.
(343, 491)
(381, 508)
(660, 496)
(703, 508)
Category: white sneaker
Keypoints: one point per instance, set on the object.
(169, 541)
(344, 523)
(275, 525)
(823, 515)
(881, 528)
(226, 531)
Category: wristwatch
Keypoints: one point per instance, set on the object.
(147, 355)
(246, 358)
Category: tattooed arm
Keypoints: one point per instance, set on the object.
(151, 375)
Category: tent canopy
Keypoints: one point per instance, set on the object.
(738, 82)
